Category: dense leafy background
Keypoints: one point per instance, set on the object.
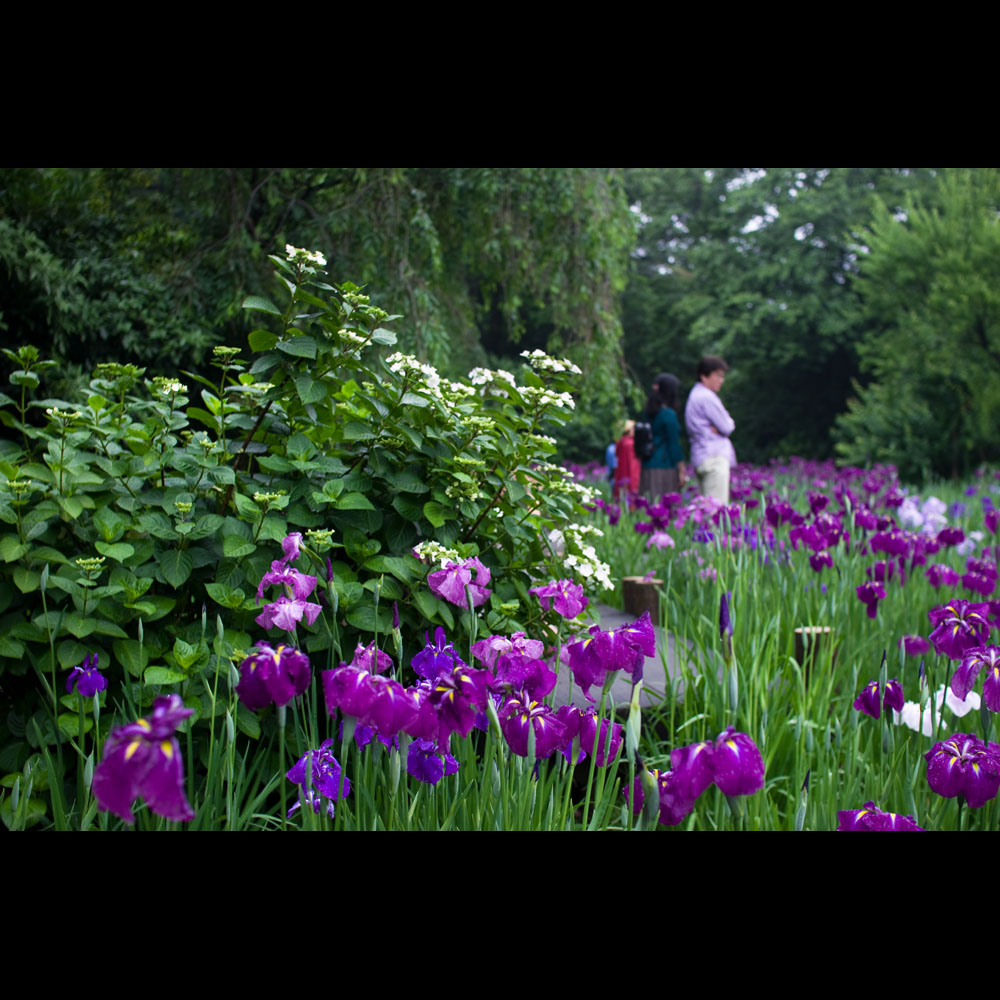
(853, 293)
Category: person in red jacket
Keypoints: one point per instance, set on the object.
(629, 468)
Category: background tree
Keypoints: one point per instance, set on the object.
(150, 266)
(756, 265)
(929, 283)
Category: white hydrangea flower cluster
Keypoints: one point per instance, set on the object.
(485, 376)
(432, 552)
(543, 362)
(543, 439)
(168, 386)
(584, 561)
(546, 397)
(351, 336)
(304, 258)
(459, 390)
(407, 364)
(481, 423)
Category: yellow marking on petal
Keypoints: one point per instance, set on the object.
(168, 750)
(975, 767)
(144, 724)
(132, 747)
(951, 763)
(732, 746)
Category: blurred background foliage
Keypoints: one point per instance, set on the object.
(857, 307)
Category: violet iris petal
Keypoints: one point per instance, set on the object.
(143, 759)
(871, 818)
(363, 658)
(914, 645)
(87, 679)
(438, 657)
(961, 626)
(520, 714)
(692, 769)
(565, 596)
(674, 806)
(272, 675)
(286, 614)
(964, 765)
(324, 773)
(425, 762)
(737, 765)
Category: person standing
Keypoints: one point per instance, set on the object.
(709, 427)
(628, 472)
(664, 471)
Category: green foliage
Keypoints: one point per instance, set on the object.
(151, 265)
(755, 265)
(154, 505)
(933, 356)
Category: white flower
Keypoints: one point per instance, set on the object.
(911, 714)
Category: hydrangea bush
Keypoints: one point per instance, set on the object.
(140, 524)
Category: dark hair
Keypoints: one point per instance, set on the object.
(665, 389)
(710, 363)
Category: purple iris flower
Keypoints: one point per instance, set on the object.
(87, 678)
(675, 807)
(737, 766)
(871, 818)
(437, 657)
(564, 595)
(370, 659)
(915, 645)
(960, 626)
(581, 728)
(450, 583)
(872, 704)
(291, 545)
(603, 653)
(286, 614)
(324, 779)
(425, 762)
(820, 559)
(871, 594)
(950, 536)
(297, 585)
(143, 759)
(521, 714)
(941, 575)
(456, 699)
(964, 765)
(965, 677)
(270, 675)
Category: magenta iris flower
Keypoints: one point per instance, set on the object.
(940, 575)
(437, 657)
(960, 626)
(675, 807)
(324, 780)
(375, 661)
(564, 595)
(450, 583)
(581, 728)
(87, 679)
(272, 676)
(737, 765)
(871, 704)
(426, 763)
(871, 818)
(915, 645)
(602, 653)
(870, 594)
(143, 760)
(964, 765)
(965, 677)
